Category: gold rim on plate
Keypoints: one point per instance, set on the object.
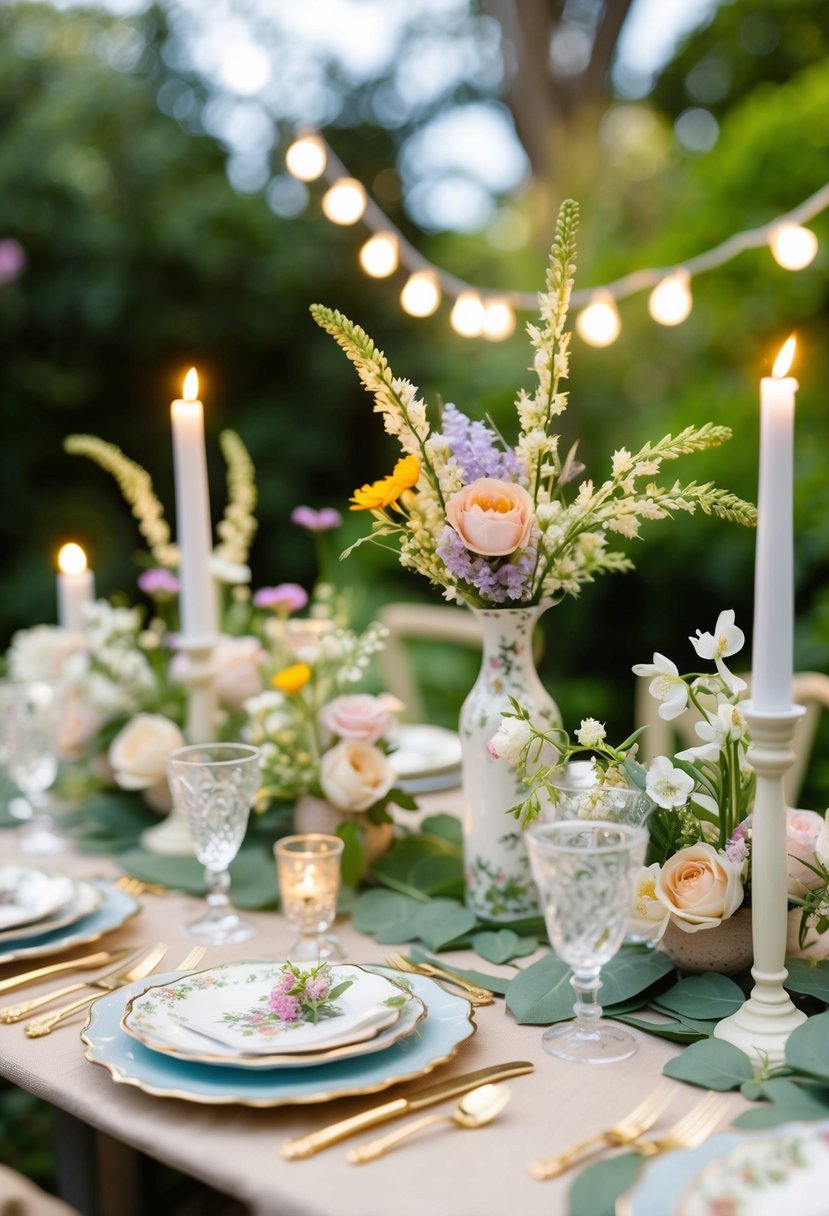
(63, 918)
(321, 1056)
(61, 947)
(120, 1078)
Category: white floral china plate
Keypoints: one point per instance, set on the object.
(435, 1041)
(740, 1173)
(28, 895)
(85, 900)
(151, 1018)
(228, 1005)
(103, 908)
(426, 757)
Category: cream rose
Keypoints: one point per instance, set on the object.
(43, 652)
(356, 716)
(78, 724)
(803, 828)
(237, 665)
(491, 517)
(700, 887)
(509, 740)
(648, 918)
(138, 753)
(354, 775)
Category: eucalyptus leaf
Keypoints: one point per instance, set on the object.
(631, 971)
(809, 978)
(806, 1047)
(499, 946)
(442, 921)
(674, 1030)
(446, 827)
(374, 909)
(595, 1191)
(353, 858)
(397, 932)
(712, 1064)
(541, 993)
(787, 1100)
(438, 876)
(709, 995)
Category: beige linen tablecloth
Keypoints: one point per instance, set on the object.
(445, 1171)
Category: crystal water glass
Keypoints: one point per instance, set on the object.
(308, 870)
(584, 873)
(213, 785)
(29, 719)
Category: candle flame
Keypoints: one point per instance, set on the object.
(784, 360)
(71, 559)
(191, 385)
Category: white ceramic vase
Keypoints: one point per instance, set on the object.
(499, 885)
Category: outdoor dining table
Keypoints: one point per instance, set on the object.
(444, 1171)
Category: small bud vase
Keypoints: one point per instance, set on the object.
(499, 886)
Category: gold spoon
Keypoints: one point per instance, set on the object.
(475, 1109)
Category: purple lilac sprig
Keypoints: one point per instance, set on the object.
(305, 996)
(477, 449)
(497, 584)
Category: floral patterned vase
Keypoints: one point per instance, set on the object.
(499, 886)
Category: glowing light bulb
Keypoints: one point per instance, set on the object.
(345, 202)
(792, 246)
(599, 323)
(379, 257)
(671, 301)
(71, 559)
(306, 158)
(191, 386)
(499, 320)
(784, 358)
(467, 316)
(420, 296)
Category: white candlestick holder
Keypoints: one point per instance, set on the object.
(171, 837)
(761, 1026)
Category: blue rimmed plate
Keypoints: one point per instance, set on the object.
(115, 907)
(435, 1041)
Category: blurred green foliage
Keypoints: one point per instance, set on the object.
(142, 260)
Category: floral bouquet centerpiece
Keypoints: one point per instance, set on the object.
(508, 529)
(698, 872)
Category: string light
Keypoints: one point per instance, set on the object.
(599, 324)
(380, 256)
(467, 316)
(793, 247)
(345, 202)
(421, 295)
(306, 158)
(670, 301)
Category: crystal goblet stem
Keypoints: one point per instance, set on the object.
(28, 724)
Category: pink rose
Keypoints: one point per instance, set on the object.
(356, 716)
(79, 723)
(237, 664)
(802, 831)
(491, 517)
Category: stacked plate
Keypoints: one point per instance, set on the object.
(43, 911)
(212, 1036)
(425, 758)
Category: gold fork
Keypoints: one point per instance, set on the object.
(135, 886)
(192, 959)
(43, 1026)
(628, 1129)
(690, 1130)
(16, 1013)
(476, 994)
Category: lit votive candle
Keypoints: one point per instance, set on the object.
(308, 869)
(76, 586)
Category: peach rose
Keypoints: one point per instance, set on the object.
(354, 775)
(237, 665)
(803, 829)
(700, 887)
(356, 716)
(78, 725)
(138, 753)
(491, 517)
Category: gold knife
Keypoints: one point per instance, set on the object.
(98, 959)
(305, 1146)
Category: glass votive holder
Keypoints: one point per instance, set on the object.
(308, 869)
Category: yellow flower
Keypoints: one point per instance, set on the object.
(292, 679)
(386, 491)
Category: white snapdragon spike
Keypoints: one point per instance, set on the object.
(666, 685)
(667, 786)
(510, 739)
(591, 732)
(727, 639)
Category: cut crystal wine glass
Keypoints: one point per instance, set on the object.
(29, 718)
(584, 873)
(213, 785)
